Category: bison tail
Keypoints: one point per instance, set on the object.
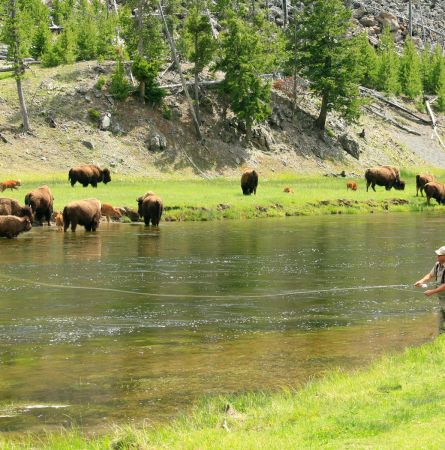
(417, 180)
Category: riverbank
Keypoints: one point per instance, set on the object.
(196, 199)
(396, 403)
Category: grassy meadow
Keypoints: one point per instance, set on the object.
(398, 402)
(221, 198)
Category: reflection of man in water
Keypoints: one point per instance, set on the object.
(437, 275)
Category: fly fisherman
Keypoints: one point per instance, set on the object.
(437, 275)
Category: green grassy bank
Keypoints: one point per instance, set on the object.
(399, 402)
(221, 198)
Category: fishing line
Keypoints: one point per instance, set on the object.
(149, 294)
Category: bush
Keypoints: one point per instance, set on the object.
(120, 87)
(166, 112)
(94, 114)
(100, 83)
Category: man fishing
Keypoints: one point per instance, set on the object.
(437, 275)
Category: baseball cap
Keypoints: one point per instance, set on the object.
(440, 251)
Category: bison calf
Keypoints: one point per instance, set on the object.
(249, 182)
(289, 190)
(435, 190)
(150, 207)
(351, 185)
(82, 212)
(9, 184)
(88, 174)
(421, 181)
(12, 226)
(108, 211)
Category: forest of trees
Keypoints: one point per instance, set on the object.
(318, 43)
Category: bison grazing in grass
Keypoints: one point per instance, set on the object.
(40, 200)
(387, 176)
(351, 185)
(249, 182)
(88, 174)
(9, 184)
(434, 190)
(10, 207)
(150, 207)
(421, 180)
(12, 226)
(82, 212)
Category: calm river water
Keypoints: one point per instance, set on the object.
(131, 324)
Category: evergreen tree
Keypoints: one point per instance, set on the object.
(437, 62)
(199, 45)
(86, 32)
(41, 41)
(120, 87)
(388, 74)
(410, 70)
(242, 60)
(441, 92)
(329, 58)
(425, 64)
(368, 60)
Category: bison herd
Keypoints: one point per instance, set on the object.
(15, 219)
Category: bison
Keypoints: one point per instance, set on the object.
(82, 212)
(150, 207)
(421, 180)
(387, 176)
(9, 184)
(108, 211)
(40, 200)
(10, 207)
(249, 181)
(12, 226)
(288, 190)
(351, 185)
(88, 174)
(435, 190)
(58, 218)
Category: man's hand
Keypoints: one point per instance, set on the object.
(429, 292)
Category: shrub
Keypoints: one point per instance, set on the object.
(120, 87)
(100, 83)
(94, 114)
(166, 112)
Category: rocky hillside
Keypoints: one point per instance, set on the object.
(73, 123)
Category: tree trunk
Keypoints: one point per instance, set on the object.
(197, 112)
(142, 92)
(321, 121)
(23, 108)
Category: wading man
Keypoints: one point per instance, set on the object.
(437, 275)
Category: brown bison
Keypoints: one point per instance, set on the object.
(10, 207)
(12, 226)
(9, 184)
(108, 211)
(150, 207)
(88, 174)
(249, 181)
(289, 190)
(40, 200)
(387, 176)
(421, 180)
(435, 190)
(351, 185)
(82, 212)
(58, 218)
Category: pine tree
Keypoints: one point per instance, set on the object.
(425, 65)
(388, 75)
(368, 60)
(199, 45)
(437, 62)
(41, 41)
(243, 61)
(329, 58)
(440, 89)
(410, 70)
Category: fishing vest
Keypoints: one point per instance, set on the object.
(436, 270)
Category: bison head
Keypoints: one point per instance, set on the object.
(399, 185)
(27, 223)
(27, 212)
(106, 176)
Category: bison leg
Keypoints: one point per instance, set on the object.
(94, 184)
(73, 182)
(73, 225)
(147, 220)
(373, 186)
(428, 200)
(85, 184)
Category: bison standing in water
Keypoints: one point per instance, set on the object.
(88, 174)
(12, 226)
(82, 212)
(150, 207)
(387, 176)
(249, 181)
(40, 200)
(10, 207)
(435, 190)
(421, 181)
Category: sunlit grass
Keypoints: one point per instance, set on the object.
(221, 198)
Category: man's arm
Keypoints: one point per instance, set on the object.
(430, 292)
(429, 276)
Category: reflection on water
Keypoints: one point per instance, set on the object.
(131, 323)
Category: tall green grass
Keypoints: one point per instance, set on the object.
(221, 198)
